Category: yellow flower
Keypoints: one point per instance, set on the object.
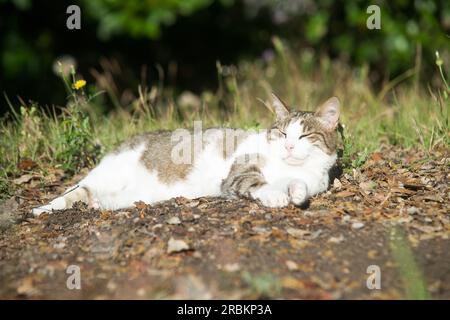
(79, 84)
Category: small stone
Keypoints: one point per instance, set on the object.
(413, 210)
(59, 245)
(187, 216)
(336, 239)
(291, 265)
(372, 254)
(260, 230)
(345, 218)
(232, 267)
(297, 233)
(141, 292)
(176, 246)
(316, 234)
(174, 220)
(357, 225)
(157, 226)
(111, 286)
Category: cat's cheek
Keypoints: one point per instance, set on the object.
(302, 150)
(277, 148)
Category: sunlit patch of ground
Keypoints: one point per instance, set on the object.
(392, 213)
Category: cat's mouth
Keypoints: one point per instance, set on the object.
(294, 161)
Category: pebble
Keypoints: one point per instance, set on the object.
(297, 233)
(336, 239)
(174, 220)
(413, 210)
(345, 218)
(232, 267)
(176, 245)
(357, 225)
(291, 265)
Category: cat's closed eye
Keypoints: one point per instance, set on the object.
(305, 135)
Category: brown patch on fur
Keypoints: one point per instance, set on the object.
(158, 150)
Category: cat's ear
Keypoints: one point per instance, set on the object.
(281, 109)
(329, 113)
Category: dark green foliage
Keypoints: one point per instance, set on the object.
(149, 33)
(139, 18)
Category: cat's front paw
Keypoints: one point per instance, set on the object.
(273, 198)
(298, 192)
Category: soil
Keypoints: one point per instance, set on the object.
(392, 213)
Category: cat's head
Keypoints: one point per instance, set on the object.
(298, 135)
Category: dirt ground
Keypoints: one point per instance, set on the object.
(392, 213)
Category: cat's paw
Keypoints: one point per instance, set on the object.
(56, 204)
(298, 192)
(40, 210)
(94, 204)
(273, 198)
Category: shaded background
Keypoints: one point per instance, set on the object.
(178, 42)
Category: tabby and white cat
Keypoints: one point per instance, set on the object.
(287, 164)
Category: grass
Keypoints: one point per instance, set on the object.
(73, 136)
(413, 281)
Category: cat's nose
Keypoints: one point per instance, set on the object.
(289, 146)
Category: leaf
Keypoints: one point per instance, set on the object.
(26, 164)
(27, 287)
(23, 179)
(401, 190)
(368, 186)
(337, 184)
(140, 205)
(344, 194)
(376, 157)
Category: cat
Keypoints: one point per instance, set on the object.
(286, 164)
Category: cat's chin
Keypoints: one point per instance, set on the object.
(294, 161)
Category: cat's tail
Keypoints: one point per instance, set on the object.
(66, 200)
